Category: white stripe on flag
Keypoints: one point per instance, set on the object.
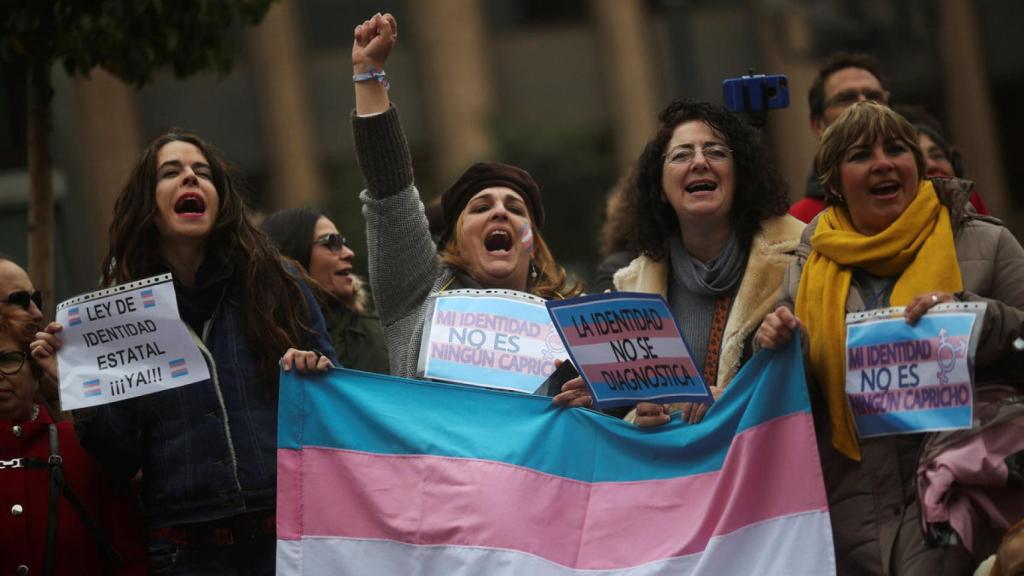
(795, 545)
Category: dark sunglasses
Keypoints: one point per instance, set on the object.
(333, 242)
(24, 299)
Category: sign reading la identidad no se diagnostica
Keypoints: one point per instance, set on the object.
(628, 348)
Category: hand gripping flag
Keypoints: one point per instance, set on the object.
(381, 475)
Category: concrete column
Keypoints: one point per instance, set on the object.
(452, 51)
(972, 124)
(624, 37)
(276, 55)
(111, 138)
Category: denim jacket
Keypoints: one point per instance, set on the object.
(206, 450)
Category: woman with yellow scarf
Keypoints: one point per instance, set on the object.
(890, 238)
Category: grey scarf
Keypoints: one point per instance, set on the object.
(715, 278)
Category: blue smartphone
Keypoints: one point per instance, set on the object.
(756, 92)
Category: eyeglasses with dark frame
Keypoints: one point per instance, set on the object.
(333, 242)
(24, 298)
(12, 362)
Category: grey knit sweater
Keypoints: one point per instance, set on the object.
(404, 267)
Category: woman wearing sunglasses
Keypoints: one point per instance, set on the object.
(207, 451)
(17, 294)
(101, 535)
(310, 238)
(490, 237)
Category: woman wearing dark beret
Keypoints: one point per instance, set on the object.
(493, 213)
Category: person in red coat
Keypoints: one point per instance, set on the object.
(845, 78)
(97, 529)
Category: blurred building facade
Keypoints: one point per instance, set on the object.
(569, 89)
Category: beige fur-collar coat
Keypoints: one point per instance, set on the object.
(772, 250)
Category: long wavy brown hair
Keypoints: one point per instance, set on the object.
(273, 305)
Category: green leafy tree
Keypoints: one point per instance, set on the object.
(130, 38)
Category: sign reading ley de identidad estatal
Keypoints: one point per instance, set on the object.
(123, 342)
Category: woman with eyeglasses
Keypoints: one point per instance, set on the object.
(891, 237)
(44, 473)
(207, 452)
(490, 236)
(311, 239)
(709, 220)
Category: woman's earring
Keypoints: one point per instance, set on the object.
(533, 271)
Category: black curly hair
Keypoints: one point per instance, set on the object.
(760, 191)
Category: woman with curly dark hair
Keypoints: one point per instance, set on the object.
(207, 452)
(710, 223)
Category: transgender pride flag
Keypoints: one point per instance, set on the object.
(381, 475)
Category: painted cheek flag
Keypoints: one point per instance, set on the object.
(382, 475)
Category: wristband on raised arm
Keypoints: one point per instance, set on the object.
(373, 74)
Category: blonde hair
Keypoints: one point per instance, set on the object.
(860, 123)
(552, 282)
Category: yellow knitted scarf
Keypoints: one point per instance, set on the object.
(918, 247)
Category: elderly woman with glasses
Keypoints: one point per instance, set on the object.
(311, 239)
(709, 219)
(20, 299)
(890, 238)
(42, 467)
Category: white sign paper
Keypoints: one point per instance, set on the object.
(492, 338)
(123, 342)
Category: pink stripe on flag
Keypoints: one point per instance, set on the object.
(435, 500)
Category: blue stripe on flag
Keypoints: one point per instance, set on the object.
(626, 452)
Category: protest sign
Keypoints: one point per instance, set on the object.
(628, 348)
(903, 379)
(124, 342)
(493, 338)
